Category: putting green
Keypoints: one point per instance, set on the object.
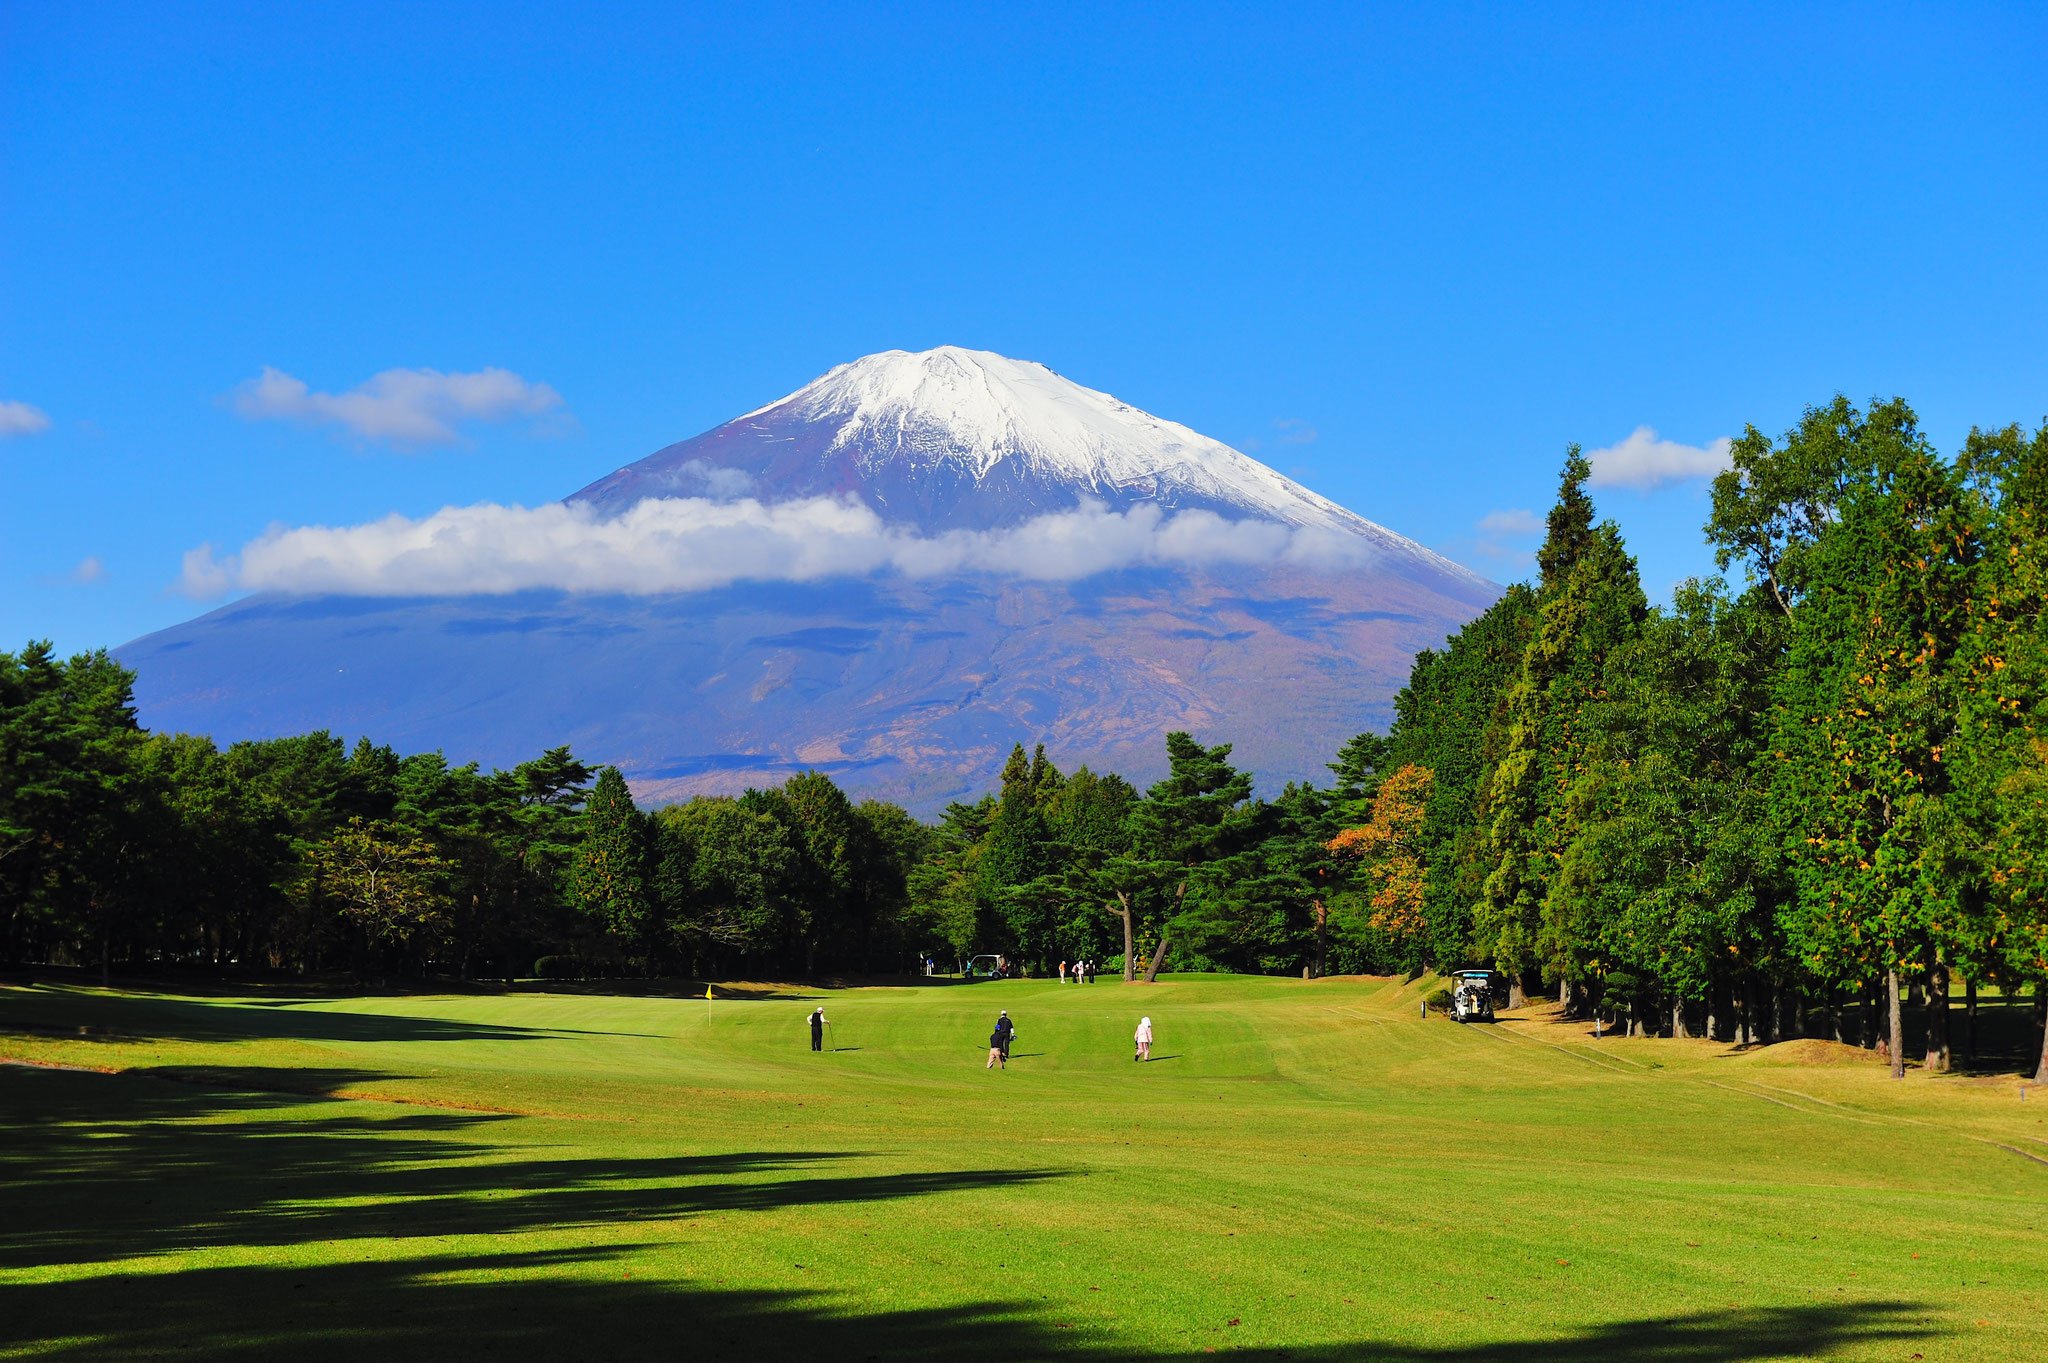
(1306, 1169)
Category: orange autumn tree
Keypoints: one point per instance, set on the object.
(1387, 857)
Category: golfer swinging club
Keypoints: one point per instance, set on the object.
(817, 1029)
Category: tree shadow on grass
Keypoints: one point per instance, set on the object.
(55, 1010)
(99, 1168)
(587, 1304)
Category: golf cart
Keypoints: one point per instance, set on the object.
(984, 968)
(1472, 996)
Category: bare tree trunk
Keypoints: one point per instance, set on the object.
(1937, 1014)
(1896, 1021)
(1123, 908)
(2041, 1016)
(1517, 993)
(1678, 1019)
(1158, 955)
(1180, 897)
(1322, 938)
(1970, 1020)
(1564, 995)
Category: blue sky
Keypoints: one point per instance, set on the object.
(1405, 256)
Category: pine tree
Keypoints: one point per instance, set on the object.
(1017, 852)
(609, 870)
(1189, 820)
(1450, 718)
(1588, 603)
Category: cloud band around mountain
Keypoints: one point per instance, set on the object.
(684, 544)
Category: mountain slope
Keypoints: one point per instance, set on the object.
(911, 689)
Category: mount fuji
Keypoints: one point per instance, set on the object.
(1059, 567)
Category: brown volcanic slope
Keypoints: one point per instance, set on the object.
(924, 705)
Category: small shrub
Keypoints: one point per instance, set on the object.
(558, 968)
(1439, 1001)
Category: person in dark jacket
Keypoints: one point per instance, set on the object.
(1006, 1030)
(818, 1029)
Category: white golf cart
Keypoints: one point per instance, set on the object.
(1472, 996)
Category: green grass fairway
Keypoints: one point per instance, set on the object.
(1306, 1170)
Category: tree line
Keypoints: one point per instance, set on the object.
(1759, 812)
(1762, 811)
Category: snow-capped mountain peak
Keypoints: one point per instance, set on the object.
(976, 410)
(952, 438)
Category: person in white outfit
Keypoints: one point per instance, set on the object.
(1143, 1039)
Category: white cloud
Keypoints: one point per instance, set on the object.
(1516, 521)
(202, 577)
(1645, 463)
(680, 544)
(90, 569)
(403, 406)
(18, 418)
(1294, 431)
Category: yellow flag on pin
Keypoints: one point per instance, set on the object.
(707, 991)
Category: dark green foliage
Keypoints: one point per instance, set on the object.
(726, 872)
(1998, 761)
(1192, 838)
(120, 848)
(1450, 721)
(1588, 604)
(607, 872)
(1015, 852)
(1673, 875)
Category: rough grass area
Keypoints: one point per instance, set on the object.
(1305, 1170)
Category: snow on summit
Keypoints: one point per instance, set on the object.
(975, 409)
(957, 439)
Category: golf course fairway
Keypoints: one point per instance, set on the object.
(1305, 1170)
